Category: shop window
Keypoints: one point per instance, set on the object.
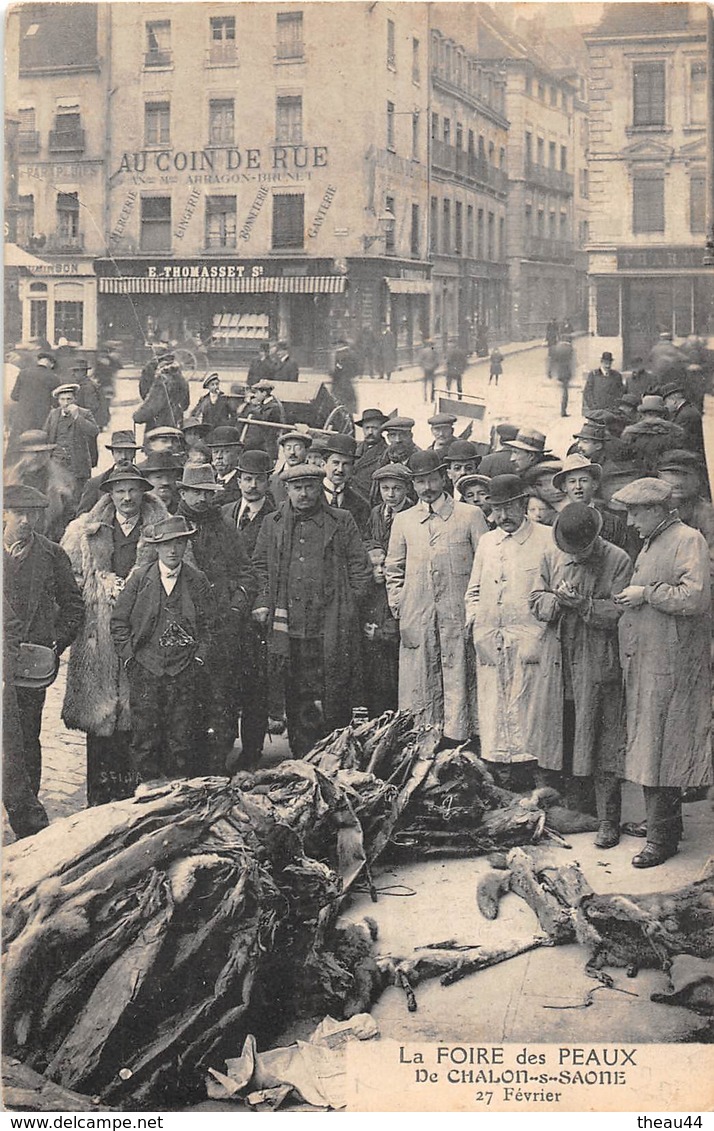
(221, 121)
(458, 228)
(223, 39)
(391, 144)
(25, 220)
(607, 308)
(68, 234)
(416, 63)
(434, 226)
(288, 220)
(697, 203)
(414, 241)
(157, 123)
(156, 223)
(288, 119)
(446, 229)
(648, 204)
(220, 221)
(391, 46)
(390, 233)
(697, 93)
(289, 36)
(158, 43)
(69, 318)
(648, 94)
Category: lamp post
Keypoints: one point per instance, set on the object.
(385, 222)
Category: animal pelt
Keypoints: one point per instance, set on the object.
(57, 484)
(97, 694)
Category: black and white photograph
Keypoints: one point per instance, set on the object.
(358, 548)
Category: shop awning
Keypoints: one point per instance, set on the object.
(408, 286)
(17, 257)
(202, 284)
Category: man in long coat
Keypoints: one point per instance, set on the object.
(32, 396)
(73, 431)
(517, 656)
(582, 574)
(665, 641)
(313, 571)
(371, 450)
(431, 551)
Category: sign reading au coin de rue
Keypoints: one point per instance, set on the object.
(275, 158)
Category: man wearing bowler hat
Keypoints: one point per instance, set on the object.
(580, 579)
(313, 572)
(580, 480)
(339, 491)
(219, 550)
(163, 472)
(369, 454)
(40, 587)
(162, 626)
(103, 546)
(215, 408)
(248, 515)
(72, 429)
(430, 554)
(35, 468)
(226, 445)
(603, 386)
(517, 657)
(665, 642)
(461, 458)
(123, 448)
(394, 481)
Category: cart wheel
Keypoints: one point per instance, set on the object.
(340, 420)
(187, 360)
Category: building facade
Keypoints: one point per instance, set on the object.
(648, 177)
(56, 78)
(468, 195)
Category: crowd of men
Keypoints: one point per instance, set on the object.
(230, 579)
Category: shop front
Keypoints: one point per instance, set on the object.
(223, 308)
(59, 300)
(386, 293)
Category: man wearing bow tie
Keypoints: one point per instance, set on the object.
(339, 492)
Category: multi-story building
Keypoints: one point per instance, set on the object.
(267, 176)
(648, 84)
(468, 193)
(56, 78)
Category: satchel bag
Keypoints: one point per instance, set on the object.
(37, 666)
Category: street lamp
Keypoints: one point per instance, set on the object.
(385, 222)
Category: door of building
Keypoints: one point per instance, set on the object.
(648, 308)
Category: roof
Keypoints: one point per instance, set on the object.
(648, 19)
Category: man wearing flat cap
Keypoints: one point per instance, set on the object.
(103, 546)
(215, 408)
(72, 430)
(339, 491)
(294, 446)
(394, 481)
(34, 467)
(431, 550)
(260, 407)
(226, 445)
(603, 386)
(517, 656)
(442, 429)
(580, 578)
(162, 626)
(313, 572)
(39, 586)
(397, 432)
(370, 451)
(665, 642)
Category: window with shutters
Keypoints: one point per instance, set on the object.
(156, 223)
(391, 138)
(648, 203)
(220, 221)
(415, 136)
(28, 139)
(158, 43)
(157, 123)
(67, 217)
(446, 229)
(447, 131)
(288, 119)
(458, 228)
(697, 93)
(390, 234)
(434, 225)
(288, 220)
(416, 63)
(221, 121)
(434, 127)
(479, 234)
(648, 93)
(501, 238)
(391, 46)
(697, 203)
(469, 230)
(223, 40)
(491, 235)
(289, 36)
(414, 241)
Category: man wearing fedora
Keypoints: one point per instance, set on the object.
(260, 407)
(214, 407)
(226, 445)
(35, 468)
(219, 550)
(248, 515)
(73, 431)
(32, 396)
(580, 579)
(39, 586)
(665, 645)
(579, 480)
(518, 657)
(394, 481)
(103, 546)
(313, 572)
(369, 454)
(527, 449)
(653, 435)
(603, 386)
(163, 471)
(339, 491)
(123, 448)
(162, 627)
(430, 554)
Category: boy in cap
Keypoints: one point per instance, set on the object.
(71, 429)
(665, 642)
(474, 490)
(394, 480)
(214, 408)
(162, 626)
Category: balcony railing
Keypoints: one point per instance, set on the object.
(28, 141)
(157, 59)
(290, 51)
(222, 54)
(541, 247)
(468, 165)
(62, 241)
(549, 178)
(67, 141)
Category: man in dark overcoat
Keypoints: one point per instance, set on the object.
(371, 449)
(73, 431)
(214, 407)
(32, 396)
